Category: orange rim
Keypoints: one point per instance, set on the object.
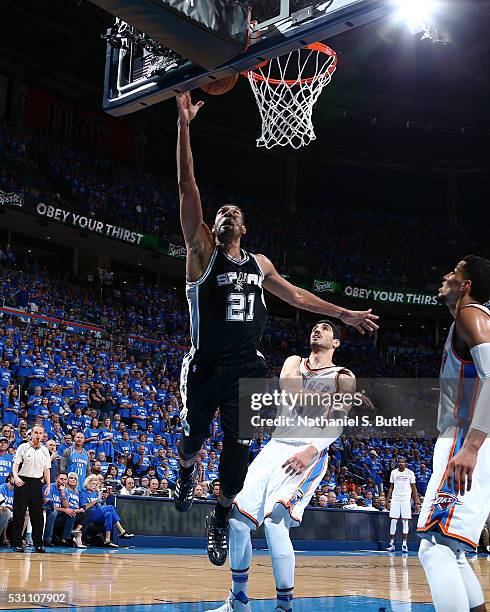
(319, 47)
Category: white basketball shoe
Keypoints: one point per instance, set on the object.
(234, 603)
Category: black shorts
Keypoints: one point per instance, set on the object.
(204, 388)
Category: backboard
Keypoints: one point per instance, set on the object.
(141, 72)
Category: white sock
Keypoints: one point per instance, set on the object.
(240, 547)
(282, 553)
(393, 529)
(405, 527)
(473, 587)
(444, 577)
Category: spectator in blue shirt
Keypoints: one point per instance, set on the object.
(33, 402)
(124, 405)
(106, 439)
(67, 443)
(92, 436)
(90, 500)
(134, 432)
(141, 461)
(160, 463)
(67, 383)
(55, 502)
(124, 447)
(80, 399)
(75, 420)
(139, 413)
(422, 478)
(11, 408)
(211, 472)
(6, 460)
(5, 374)
(343, 495)
(6, 505)
(57, 402)
(37, 375)
(214, 489)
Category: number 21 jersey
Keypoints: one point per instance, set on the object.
(227, 309)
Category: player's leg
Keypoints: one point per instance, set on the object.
(233, 467)
(406, 514)
(240, 558)
(395, 512)
(277, 526)
(234, 458)
(36, 512)
(463, 520)
(405, 530)
(474, 591)
(444, 578)
(197, 387)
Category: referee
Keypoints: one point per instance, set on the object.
(31, 463)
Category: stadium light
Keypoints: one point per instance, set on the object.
(416, 14)
(424, 17)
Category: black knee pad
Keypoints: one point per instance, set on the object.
(189, 446)
(233, 466)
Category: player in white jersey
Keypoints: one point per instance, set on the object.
(457, 500)
(285, 474)
(402, 487)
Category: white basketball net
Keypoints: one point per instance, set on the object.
(285, 104)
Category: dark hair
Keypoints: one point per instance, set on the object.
(477, 270)
(336, 331)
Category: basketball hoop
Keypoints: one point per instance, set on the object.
(286, 89)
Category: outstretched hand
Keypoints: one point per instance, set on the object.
(362, 320)
(187, 110)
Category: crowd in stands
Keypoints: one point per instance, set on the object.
(125, 396)
(332, 243)
(120, 387)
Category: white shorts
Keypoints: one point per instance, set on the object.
(457, 517)
(400, 508)
(267, 483)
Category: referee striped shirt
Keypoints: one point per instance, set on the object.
(34, 460)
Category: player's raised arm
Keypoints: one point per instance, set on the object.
(473, 327)
(197, 235)
(362, 320)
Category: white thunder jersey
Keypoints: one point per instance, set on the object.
(458, 383)
(321, 380)
(445, 512)
(267, 484)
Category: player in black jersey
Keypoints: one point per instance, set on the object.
(227, 318)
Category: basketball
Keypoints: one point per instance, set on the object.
(218, 88)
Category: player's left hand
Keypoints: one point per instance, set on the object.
(362, 320)
(297, 463)
(460, 470)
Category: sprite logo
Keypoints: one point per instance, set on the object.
(445, 501)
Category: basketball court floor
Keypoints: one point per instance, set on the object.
(182, 580)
